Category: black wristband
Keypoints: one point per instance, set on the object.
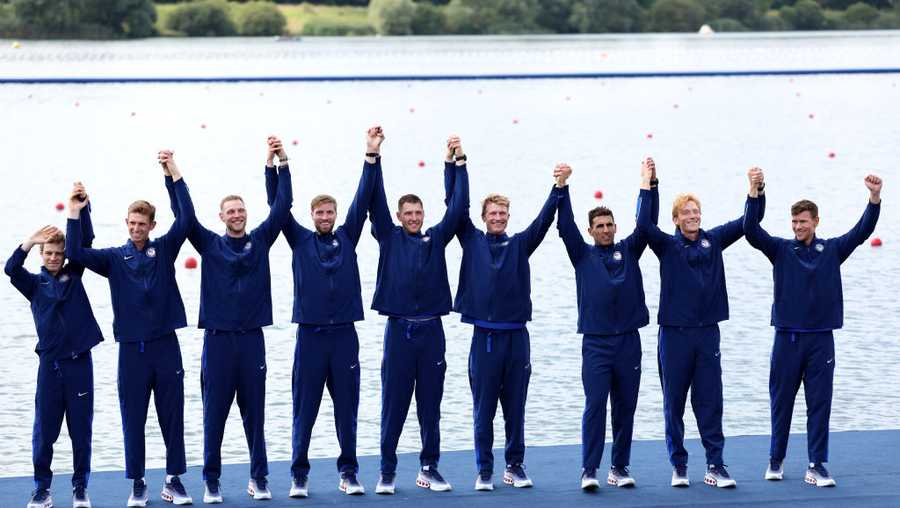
(654, 182)
(373, 154)
(460, 158)
(761, 187)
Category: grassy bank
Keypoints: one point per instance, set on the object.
(298, 17)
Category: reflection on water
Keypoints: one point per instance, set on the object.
(703, 133)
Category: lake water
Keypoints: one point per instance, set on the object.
(703, 133)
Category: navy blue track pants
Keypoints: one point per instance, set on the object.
(499, 370)
(326, 356)
(146, 367)
(796, 358)
(233, 365)
(689, 359)
(611, 367)
(64, 387)
(413, 361)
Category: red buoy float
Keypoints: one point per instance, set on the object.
(876, 242)
(598, 194)
(190, 263)
(60, 207)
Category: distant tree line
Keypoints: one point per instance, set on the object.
(137, 18)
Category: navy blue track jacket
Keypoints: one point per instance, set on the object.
(327, 290)
(236, 282)
(692, 289)
(608, 278)
(808, 292)
(495, 276)
(412, 269)
(62, 312)
(145, 298)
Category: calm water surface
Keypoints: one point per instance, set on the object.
(704, 134)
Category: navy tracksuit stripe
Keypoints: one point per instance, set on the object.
(693, 300)
(156, 367)
(413, 362)
(611, 368)
(499, 370)
(808, 305)
(689, 359)
(233, 364)
(796, 358)
(64, 388)
(325, 357)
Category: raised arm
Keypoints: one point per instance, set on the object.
(565, 221)
(379, 210)
(280, 207)
(21, 279)
(852, 239)
(356, 214)
(458, 195)
(756, 235)
(185, 218)
(732, 231)
(648, 208)
(536, 231)
(77, 247)
(637, 240)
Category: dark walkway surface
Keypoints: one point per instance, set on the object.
(864, 464)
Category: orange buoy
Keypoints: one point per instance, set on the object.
(190, 263)
(876, 242)
(60, 207)
(598, 194)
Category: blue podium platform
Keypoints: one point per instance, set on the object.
(865, 465)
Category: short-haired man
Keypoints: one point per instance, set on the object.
(147, 309)
(327, 302)
(692, 301)
(611, 310)
(808, 307)
(494, 295)
(235, 303)
(412, 290)
(66, 331)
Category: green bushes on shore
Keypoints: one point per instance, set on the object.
(138, 18)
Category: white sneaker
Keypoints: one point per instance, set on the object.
(516, 476)
(484, 481)
(680, 477)
(619, 477)
(717, 476)
(80, 498)
(299, 487)
(174, 492)
(211, 492)
(385, 484)
(139, 496)
(430, 478)
(817, 475)
(259, 489)
(589, 480)
(350, 485)
(775, 471)
(40, 498)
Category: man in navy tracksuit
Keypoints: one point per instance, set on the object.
(235, 303)
(147, 309)
(327, 301)
(494, 295)
(413, 291)
(611, 309)
(692, 301)
(808, 306)
(66, 331)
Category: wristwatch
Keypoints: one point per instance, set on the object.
(761, 187)
(373, 154)
(458, 158)
(654, 182)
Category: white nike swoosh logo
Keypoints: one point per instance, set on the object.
(128, 257)
(829, 361)
(440, 362)
(262, 367)
(355, 365)
(82, 394)
(179, 371)
(45, 283)
(637, 367)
